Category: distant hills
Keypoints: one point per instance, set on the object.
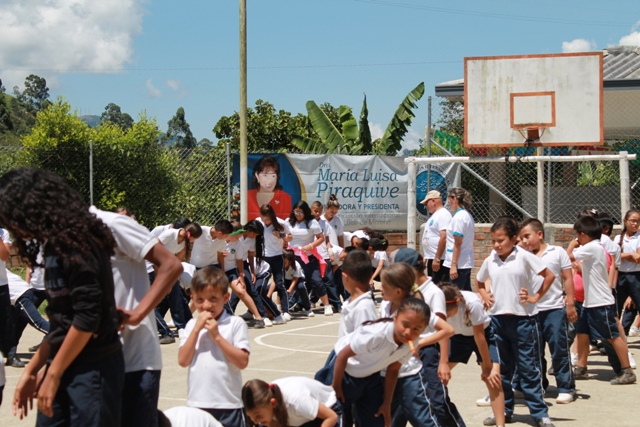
(92, 121)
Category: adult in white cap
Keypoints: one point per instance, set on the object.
(434, 239)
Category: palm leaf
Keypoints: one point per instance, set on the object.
(327, 132)
(365, 132)
(349, 124)
(391, 141)
(308, 145)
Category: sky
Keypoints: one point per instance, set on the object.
(155, 56)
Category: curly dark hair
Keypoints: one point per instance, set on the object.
(38, 206)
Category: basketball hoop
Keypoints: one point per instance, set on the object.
(532, 133)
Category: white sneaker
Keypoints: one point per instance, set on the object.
(565, 398)
(328, 311)
(632, 361)
(286, 317)
(267, 322)
(170, 323)
(634, 332)
(279, 321)
(574, 359)
(310, 313)
(485, 401)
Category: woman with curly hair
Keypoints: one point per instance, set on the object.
(83, 375)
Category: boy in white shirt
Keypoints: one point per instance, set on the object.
(360, 307)
(215, 348)
(598, 318)
(205, 250)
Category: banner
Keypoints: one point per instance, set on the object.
(371, 190)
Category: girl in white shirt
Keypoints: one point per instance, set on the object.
(292, 401)
(379, 259)
(276, 236)
(628, 288)
(460, 236)
(331, 216)
(307, 236)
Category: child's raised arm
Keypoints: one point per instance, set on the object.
(444, 331)
(237, 356)
(188, 349)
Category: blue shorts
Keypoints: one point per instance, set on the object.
(598, 322)
(461, 347)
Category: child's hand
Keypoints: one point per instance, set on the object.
(201, 320)
(47, 393)
(525, 297)
(489, 301)
(385, 411)
(211, 325)
(572, 313)
(491, 375)
(24, 394)
(338, 389)
(444, 373)
(238, 284)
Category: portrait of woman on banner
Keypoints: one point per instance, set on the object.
(266, 189)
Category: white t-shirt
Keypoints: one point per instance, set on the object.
(595, 274)
(477, 315)
(290, 272)
(235, 251)
(188, 270)
(260, 269)
(338, 228)
(508, 277)
(17, 286)
(439, 221)
(434, 297)
(612, 248)
(205, 249)
(629, 245)
(327, 232)
(302, 397)
(184, 416)
(37, 275)
(355, 312)
(273, 244)
(6, 238)
(555, 258)
(337, 251)
(349, 236)
(380, 255)
(302, 235)
(213, 382)
(157, 231)
(131, 284)
(461, 225)
(169, 239)
(375, 349)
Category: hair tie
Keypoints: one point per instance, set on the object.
(271, 386)
(188, 235)
(451, 301)
(415, 288)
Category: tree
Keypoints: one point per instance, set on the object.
(205, 143)
(451, 120)
(113, 114)
(179, 132)
(36, 92)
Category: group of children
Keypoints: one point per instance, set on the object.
(100, 362)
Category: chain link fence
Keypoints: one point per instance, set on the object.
(510, 188)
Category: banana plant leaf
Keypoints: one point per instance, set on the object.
(308, 145)
(349, 124)
(327, 132)
(365, 133)
(391, 141)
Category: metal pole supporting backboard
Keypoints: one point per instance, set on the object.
(411, 205)
(429, 144)
(540, 186)
(228, 150)
(625, 195)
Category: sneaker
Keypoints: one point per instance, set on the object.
(328, 311)
(259, 324)
(550, 371)
(574, 359)
(286, 317)
(310, 313)
(627, 377)
(485, 401)
(565, 398)
(34, 348)
(545, 422)
(634, 332)
(15, 362)
(580, 373)
(632, 361)
(279, 321)
(267, 322)
(247, 316)
(167, 339)
(491, 421)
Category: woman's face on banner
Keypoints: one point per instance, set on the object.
(267, 180)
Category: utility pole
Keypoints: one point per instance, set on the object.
(243, 112)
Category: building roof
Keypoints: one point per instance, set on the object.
(621, 62)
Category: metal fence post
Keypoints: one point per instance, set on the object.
(228, 182)
(91, 172)
(625, 199)
(540, 186)
(411, 203)
(429, 145)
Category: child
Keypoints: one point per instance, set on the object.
(628, 288)
(459, 256)
(473, 334)
(205, 249)
(83, 379)
(326, 252)
(294, 282)
(421, 396)
(554, 309)
(354, 373)
(8, 346)
(335, 222)
(291, 401)
(597, 319)
(359, 307)
(512, 306)
(215, 348)
(379, 259)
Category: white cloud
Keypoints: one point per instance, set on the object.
(578, 45)
(632, 39)
(411, 140)
(376, 131)
(51, 37)
(178, 90)
(152, 91)
(173, 84)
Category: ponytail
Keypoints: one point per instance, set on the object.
(256, 227)
(333, 202)
(257, 393)
(268, 211)
(192, 230)
(453, 297)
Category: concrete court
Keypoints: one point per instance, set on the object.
(301, 347)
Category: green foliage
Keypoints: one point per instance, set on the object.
(36, 92)
(597, 174)
(113, 114)
(451, 120)
(364, 139)
(179, 132)
(391, 141)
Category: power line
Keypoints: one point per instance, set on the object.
(498, 15)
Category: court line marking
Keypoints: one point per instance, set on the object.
(279, 370)
(259, 339)
(314, 335)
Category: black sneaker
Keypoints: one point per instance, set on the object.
(580, 373)
(247, 316)
(34, 348)
(17, 363)
(491, 421)
(259, 324)
(627, 377)
(167, 339)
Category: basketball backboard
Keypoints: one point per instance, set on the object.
(550, 100)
